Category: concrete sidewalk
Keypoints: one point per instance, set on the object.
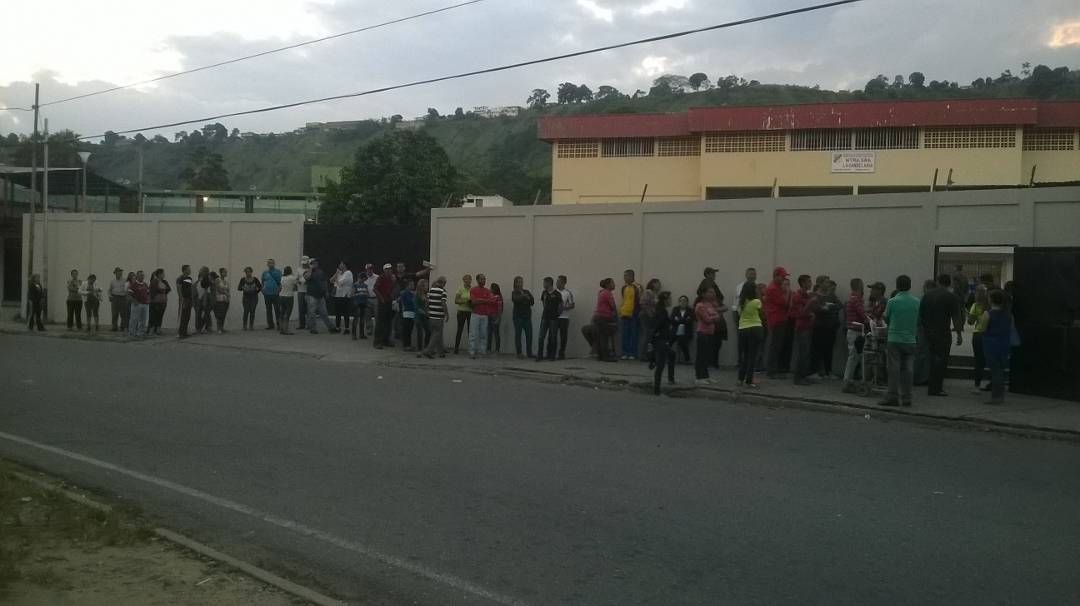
(1021, 414)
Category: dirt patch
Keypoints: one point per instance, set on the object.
(56, 551)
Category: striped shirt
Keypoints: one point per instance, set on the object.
(436, 302)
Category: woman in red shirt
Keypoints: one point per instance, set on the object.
(604, 320)
(707, 316)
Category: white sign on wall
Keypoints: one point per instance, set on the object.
(853, 162)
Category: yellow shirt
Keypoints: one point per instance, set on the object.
(750, 314)
(629, 299)
(976, 312)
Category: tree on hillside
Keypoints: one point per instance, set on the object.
(111, 138)
(459, 113)
(195, 138)
(669, 84)
(699, 80)
(159, 139)
(898, 81)
(1045, 82)
(63, 150)
(877, 85)
(608, 92)
(180, 136)
(432, 114)
(205, 171)
(916, 79)
(583, 94)
(394, 180)
(234, 134)
(567, 92)
(139, 138)
(538, 98)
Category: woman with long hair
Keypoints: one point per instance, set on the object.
(159, 300)
(604, 320)
(251, 287)
(751, 332)
(662, 338)
(494, 343)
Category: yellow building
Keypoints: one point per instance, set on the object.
(712, 153)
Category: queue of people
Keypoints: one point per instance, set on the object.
(781, 329)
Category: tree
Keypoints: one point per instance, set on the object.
(916, 79)
(159, 139)
(898, 81)
(728, 81)
(234, 134)
(195, 138)
(566, 93)
(699, 80)
(1045, 82)
(139, 138)
(608, 92)
(432, 114)
(1025, 69)
(180, 136)
(215, 133)
(538, 98)
(394, 180)
(877, 85)
(583, 94)
(205, 171)
(459, 113)
(978, 83)
(669, 84)
(395, 119)
(111, 138)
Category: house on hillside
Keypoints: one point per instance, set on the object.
(491, 201)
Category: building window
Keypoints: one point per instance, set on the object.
(747, 141)
(1049, 139)
(627, 148)
(679, 146)
(737, 193)
(578, 148)
(970, 136)
(892, 189)
(887, 138)
(798, 191)
(820, 139)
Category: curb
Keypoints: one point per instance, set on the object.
(759, 399)
(180, 540)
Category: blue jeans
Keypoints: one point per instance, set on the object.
(137, 322)
(316, 308)
(901, 371)
(523, 326)
(478, 329)
(629, 329)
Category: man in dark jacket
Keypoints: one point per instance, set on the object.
(551, 301)
(938, 309)
(185, 289)
(316, 298)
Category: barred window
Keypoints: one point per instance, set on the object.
(820, 139)
(746, 141)
(679, 146)
(626, 148)
(578, 148)
(887, 138)
(1049, 139)
(970, 136)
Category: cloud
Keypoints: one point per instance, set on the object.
(652, 66)
(661, 6)
(598, 12)
(1065, 34)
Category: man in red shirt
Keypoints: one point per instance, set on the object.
(484, 305)
(803, 306)
(384, 294)
(776, 307)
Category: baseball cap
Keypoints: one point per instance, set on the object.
(709, 270)
(387, 266)
(780, 271)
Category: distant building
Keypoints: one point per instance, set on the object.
(496, 112)
(492, 201)
(321, 174)
(343, 125)
(415, 124)
(859, 148)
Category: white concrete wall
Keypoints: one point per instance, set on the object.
(875, 237)
(96, 243)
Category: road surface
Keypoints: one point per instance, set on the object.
(391, 486)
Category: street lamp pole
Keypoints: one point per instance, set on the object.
(85, 156)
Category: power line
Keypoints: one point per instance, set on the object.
(490, 70)
(266, 52)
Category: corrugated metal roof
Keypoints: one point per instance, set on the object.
(860, 114)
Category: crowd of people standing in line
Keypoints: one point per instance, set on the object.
(780, 329)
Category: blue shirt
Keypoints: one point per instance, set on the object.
(902, 316)
(360, 293)
(271, 281)
(408, 300)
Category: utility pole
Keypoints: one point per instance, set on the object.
(33, 198)
(45, 217)
(142, 204)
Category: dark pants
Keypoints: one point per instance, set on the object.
(684, 346)
(718, 342)
(119, 311)
(157, 315)
(750, 340)
(605, 337)
(185, 317)
(564, 332)
(221, 309)
(901, 360)
(939, 346)
(92, 319)
(523, 326)
(800, 356)
(998, 363)
(359, 314)
(74, 314)
(271, 309)
(204, 316)
(980, 358)
(822, 354)
(774, 348)
(494, 343)
(250, 302)
(406, 332)
(383, 324)
(703, 355)
(35, 316)
(664, 356)
(462, 322)
(341, 312)
(285, 306)
(423, 331)
(435, 343)
(550, 330)
(302, 305)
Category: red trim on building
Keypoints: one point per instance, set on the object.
(860, 114)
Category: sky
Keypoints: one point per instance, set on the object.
(87, 46)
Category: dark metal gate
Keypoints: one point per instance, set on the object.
(1046, 306)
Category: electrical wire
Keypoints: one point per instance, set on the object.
(266, 52)
(16, 109)
(490, 70)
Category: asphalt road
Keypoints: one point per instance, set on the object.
(388, 486)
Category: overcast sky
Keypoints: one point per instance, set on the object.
(80, 46)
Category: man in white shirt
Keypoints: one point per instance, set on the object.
(301, 289)
(372, 277)
(564, 316)
(343, 285)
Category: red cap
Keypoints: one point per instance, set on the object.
(780, 271)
